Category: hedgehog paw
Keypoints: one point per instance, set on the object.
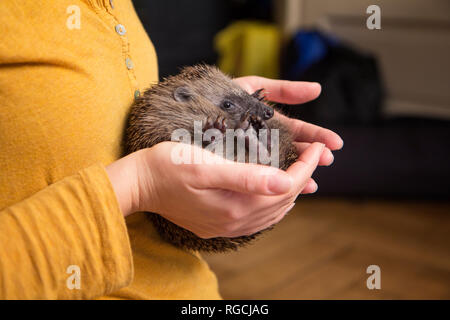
(256, 123)
(245, 122)
(260, 124)
(257, 94)
(219, 123)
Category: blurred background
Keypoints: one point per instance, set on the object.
(385, 200)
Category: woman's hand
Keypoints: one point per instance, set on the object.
(214, 198)
(295, 92)
(226, 199)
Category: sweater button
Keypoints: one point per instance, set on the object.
(111, 3)
(137, 93)
(129, 63)
(120, 29)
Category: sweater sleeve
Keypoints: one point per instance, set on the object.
(68, 241)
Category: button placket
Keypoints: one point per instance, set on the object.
(129, 64)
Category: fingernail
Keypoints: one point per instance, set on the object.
(317, 85)
(322, 148)
(316, 187)
(332, 160)
(278, 184)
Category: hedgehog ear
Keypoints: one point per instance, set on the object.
(182, 94)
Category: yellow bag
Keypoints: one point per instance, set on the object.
(249, 48)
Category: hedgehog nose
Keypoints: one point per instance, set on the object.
(268, 113)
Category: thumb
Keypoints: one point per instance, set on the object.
(304, 167)
(246, 178)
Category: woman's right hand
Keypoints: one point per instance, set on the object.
(217, 198)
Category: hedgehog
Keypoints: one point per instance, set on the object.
(204, 94)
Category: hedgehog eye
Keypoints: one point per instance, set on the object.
(227, 104)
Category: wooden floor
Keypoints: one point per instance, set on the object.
(322, 248)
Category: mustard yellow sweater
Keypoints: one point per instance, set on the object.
(69, 71)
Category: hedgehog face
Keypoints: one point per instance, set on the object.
(238, 105)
